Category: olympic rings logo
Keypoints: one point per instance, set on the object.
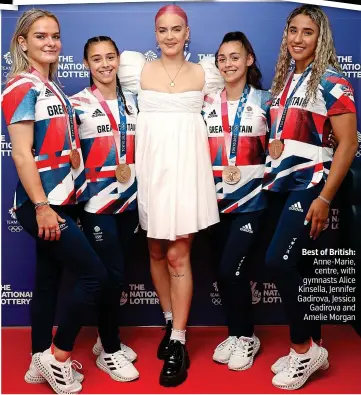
(217, 301)
(15, 229)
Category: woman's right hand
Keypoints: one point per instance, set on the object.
(48, 223)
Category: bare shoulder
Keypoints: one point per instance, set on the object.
(196, 68)
(150, 67)
(153, 64)
(197, 73)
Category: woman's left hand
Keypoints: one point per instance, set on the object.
(318, 214)
(332, 140)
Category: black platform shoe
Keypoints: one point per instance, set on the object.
(175, 366)
(164, 344)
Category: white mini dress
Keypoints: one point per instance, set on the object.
(176, 191)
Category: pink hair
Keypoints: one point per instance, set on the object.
(172, 9)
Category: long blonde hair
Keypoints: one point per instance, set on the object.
(325, 54)
(20, 61)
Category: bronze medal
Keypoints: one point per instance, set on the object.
(74, 157)
(231, 175)
(123, 173)
(275, 149)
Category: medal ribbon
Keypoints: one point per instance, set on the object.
(120, 136)
(284, 104)
(67, 108)
(231, 136)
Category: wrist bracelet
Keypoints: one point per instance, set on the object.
(41, 204)
(324, 200)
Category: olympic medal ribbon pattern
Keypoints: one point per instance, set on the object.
(231, 173)
(276, 146)
(74, 155)
(122, 171)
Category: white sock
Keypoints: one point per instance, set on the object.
(178, 334)
(168, 316)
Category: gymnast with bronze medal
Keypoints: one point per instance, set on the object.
(237, 124)
(106, 116)
(52, 182)
(311, 99)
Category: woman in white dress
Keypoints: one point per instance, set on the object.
(176, 192)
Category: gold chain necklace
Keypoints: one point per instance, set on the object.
(172, 83)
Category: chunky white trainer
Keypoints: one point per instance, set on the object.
(300, 367)
(33, 376)
(58, 374)
(118, 366)
(282, 363)
(244, 352)
(129, 353)
(223, 351)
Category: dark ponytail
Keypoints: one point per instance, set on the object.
(122, 96)
(99, 39)
(254, 75)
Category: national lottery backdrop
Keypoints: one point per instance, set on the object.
(131, 25)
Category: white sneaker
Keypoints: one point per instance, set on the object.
(223, 351)
(129, 353)
(282, 363)
(58, 374)
(33, 376)
(300, 367)
(118, 366)
(244, 352)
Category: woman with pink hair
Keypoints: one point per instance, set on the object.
(176, 192)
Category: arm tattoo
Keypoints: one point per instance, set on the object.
(176, 275)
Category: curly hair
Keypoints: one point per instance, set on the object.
(325, 54)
